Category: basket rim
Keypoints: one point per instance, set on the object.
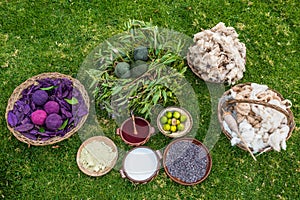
(108, 142)
(288, 114)
(16, 95)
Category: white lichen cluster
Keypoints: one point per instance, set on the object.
(260, 126)
(217, 55)
(97, 156)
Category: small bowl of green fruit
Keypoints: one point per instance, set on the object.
(174, 122)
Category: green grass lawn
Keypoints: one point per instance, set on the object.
(37, 37)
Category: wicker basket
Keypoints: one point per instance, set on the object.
(17, 94)
(227, 105)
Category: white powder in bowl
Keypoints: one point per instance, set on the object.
(96, 156)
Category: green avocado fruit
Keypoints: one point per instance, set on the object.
(139, 70)
(137, 63)
(140, 53)
(122, 70)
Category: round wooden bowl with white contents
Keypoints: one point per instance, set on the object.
(101, 158)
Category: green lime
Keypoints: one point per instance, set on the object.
(183, 118)
(173, 128)
(163, 119)
(169, 114)
(177, 122)
(170, 121)
(180, 127)
(166, 127)
(176, 114)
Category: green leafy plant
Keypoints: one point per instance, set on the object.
(158, 85)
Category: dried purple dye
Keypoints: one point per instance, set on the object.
(40, 97)
(53, 122)
(26, 120)
(26, 109)
(12, 119)
(24, 127)
(66, 113)
(30, 136)
(187, 161)
(49, 89)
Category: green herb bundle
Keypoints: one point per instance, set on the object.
(158, 85)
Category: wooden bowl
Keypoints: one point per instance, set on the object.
(188, 124)
(85, 144)
(204, 154)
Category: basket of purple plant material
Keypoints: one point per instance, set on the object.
(47, 108)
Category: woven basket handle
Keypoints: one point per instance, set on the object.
(258, 102)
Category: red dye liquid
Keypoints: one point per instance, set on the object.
(142, 129)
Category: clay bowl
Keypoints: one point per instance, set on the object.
(144, 131)
(188, 124)
(141, 165)
(196, 166)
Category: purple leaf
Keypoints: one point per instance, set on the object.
(24, 127)
(49, 133)
(20, 105)
(20, 116)
(26, 109)
(66, 113)
(59, 91)
(71, 120)
(12, 119)
(65, 94)
(33, 132)
(82, 111)
(75, 92)
(64, 104)
(76, 121)
(45, 134)
(26, 120)
(32, 105)
(29, 136)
